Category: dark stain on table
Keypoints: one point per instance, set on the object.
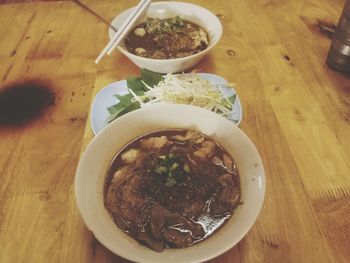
(77, 119)
(270, 243)
(326, 28)
(220, 16)
(231, 52)
(7, 72)
(13, 52)
(286, 57)
(23, 102)
(276, 89)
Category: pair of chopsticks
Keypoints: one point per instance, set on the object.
(123, 30)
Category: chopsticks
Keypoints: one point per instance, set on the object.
(123, 30)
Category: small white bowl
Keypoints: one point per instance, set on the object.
(190, 12)
(94, 164)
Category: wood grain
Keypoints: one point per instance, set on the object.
(295, 109)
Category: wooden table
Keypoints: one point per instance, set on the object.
(296, 111)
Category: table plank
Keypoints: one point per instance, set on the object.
(296, 111)
(38, 160)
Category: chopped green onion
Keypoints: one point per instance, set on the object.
(174, 166)
(170, 182)
(161, 169)
(187, 168)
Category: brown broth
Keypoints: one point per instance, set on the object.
(178, 39)
(201, 188)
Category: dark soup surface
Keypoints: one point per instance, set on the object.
(172, 188)
(166, 38)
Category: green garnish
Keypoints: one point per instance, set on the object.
(187, 168)
(121, 110)
(170, 182)
(174, 166)
(150, 78)
(232, 98)
(135, 85)
(161, 170)
(161, 26)
(172, 169)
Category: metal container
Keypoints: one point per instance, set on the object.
(339, 52)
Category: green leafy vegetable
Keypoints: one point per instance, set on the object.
(124, 106)
(232, 99)
(124, 99)
(150, 78)
(122, 110)
(135, 85)
(117, 107)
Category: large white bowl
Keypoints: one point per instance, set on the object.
(93, 166)
(190, 12)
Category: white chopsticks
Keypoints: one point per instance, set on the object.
(123, 30)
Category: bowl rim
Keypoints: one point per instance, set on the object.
(211, 45)
(126, 254)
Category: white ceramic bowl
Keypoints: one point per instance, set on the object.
(190, 12)
(93, 166)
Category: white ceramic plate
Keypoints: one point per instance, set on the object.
(105, 98)
(95, 161)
